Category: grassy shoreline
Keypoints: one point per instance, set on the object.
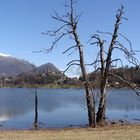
(55, 86)
(111, 132)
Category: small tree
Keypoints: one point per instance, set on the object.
(105, 62)
(68, 28)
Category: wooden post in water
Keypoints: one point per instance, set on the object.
(36, 111)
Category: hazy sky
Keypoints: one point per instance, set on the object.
(22, 21)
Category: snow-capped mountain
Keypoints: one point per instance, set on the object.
(6, 55)
(11, 66)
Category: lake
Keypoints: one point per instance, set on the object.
(59, 108)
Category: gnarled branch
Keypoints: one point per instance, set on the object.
(131, 85)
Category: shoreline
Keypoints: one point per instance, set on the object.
(112, 124)
(111, 132)
(60, 87)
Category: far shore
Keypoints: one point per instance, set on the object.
(65, 86)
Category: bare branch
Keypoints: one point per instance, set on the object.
(72, 52)
(126, 40)
(37, 51)
(69, 49)
(116, 60)
(109, 33)
(55, 32)
(55, 42)
(72, 62)
(97, 37)
(129, 54)
(131, 85)
(98, 69)
(59, 18)
(95, 62)
(77, 18)
(71, 1)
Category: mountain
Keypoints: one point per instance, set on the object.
(10, 66)
(47, 68)
(44, 74)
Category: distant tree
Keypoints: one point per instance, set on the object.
(68, 28)
(105, 63)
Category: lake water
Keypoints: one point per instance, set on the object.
(61, 107)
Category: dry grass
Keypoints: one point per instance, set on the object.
(115, 132)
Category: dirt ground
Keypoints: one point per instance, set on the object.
(112, 132)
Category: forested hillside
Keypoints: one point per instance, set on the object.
(131, 74)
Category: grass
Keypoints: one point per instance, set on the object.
(53, 86)
(117, 132)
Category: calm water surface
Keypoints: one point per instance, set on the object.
(61, 107)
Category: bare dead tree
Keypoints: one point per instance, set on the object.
(68, 28)
(104, 62)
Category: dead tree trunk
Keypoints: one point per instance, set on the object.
(89, 95)
(69, 23)
(102, 106)
(106, 62)
(105, 70)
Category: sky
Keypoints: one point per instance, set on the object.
(22, 21)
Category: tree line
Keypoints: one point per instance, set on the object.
(130, 73)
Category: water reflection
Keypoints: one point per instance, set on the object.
(124, 100)
(13, 103)
(24, 108)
